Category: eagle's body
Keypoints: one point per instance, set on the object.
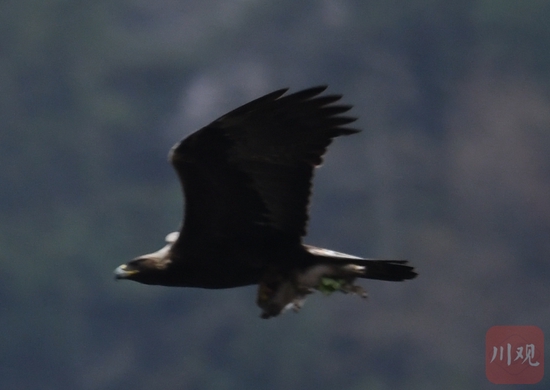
(247, 182)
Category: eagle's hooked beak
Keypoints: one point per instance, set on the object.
(122, 272)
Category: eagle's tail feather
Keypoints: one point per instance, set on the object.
(391, 270)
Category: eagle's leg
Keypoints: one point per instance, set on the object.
(280, 291)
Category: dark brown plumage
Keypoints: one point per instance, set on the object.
(247, 182)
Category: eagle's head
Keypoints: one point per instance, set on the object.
(149, 268)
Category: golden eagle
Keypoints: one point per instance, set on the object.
(247, 180)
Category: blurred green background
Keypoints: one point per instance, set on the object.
(452, 171)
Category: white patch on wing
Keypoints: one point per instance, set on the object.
(172, 237)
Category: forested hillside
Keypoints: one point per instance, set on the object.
(451, 171)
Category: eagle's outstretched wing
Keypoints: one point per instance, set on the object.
(249, 173)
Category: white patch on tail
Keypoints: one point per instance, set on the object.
(329, 253)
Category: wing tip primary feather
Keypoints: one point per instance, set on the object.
(272, 96)
(308, 93)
